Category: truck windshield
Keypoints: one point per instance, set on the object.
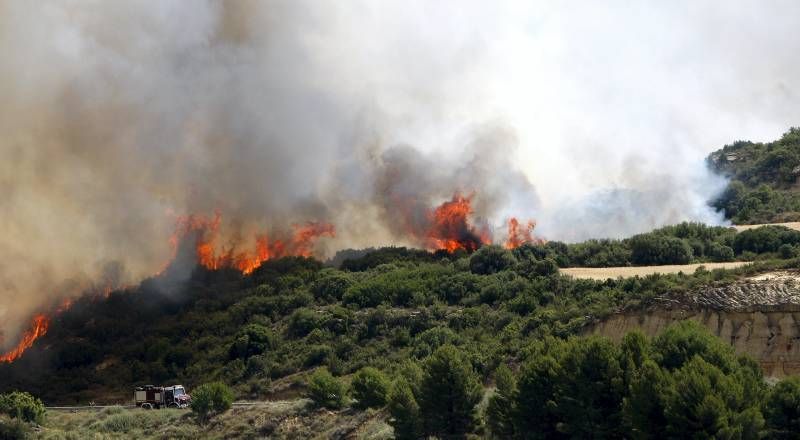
(179, 392)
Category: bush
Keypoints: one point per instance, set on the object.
(331, 288)
(23, 406)
(491, 259)
(719, 252)
(252, 340)
(647, 249)
(303, 321)
(325, 390)
(211, 398)
(369, 388)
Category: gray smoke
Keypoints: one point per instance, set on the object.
(118, 117)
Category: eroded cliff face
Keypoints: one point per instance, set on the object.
(759, 316)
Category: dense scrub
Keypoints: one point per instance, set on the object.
(678, 244)
(292, 315)
(684, 384)
(764, 177)
(387, 333)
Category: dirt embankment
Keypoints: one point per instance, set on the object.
(759, 316)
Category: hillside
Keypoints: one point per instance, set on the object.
(393, 309)
(763, 177)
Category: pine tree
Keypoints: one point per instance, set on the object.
(449, 391)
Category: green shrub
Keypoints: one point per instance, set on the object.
(21, 405)
(325, 390)
(253, 339)
(211, 398)
(491, 259)
(369, 388)
(331, 288)
(303, 321)
(653, 248)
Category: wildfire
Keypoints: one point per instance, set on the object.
(519, 234)
(211, 256)
(38, 328)
(450, 228)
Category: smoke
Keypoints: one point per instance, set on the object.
(116, 118)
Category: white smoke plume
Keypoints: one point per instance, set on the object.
(117, 117)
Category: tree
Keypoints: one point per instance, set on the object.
(23, 406)
(325, 390)
(404, 411)
(449, 392)
(681, 341)
(500, 409)
(534, 406)
(211, 398)
(590, 390)
(490, 259)
(634, 351)
(782, 409)
(644, 408)
(369, 387)
(710, 404)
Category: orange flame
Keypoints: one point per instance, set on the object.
(205, 231)
(450, 228)
(39, 326)
(519, 235)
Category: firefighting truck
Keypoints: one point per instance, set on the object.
(153, 397)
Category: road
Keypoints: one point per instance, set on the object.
(130, 406)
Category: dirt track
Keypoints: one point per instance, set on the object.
(602, 273)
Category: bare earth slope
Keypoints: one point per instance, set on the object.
(759, 316)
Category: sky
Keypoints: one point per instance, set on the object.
(591, 117)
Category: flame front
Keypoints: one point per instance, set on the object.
(39, 326)
(211, 256)
(450, 228)
(519, 235)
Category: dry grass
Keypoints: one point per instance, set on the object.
(288, 419)
(603, 273)
(790, 225)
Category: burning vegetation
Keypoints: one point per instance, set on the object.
(449, 226)
(204, 231)
(38, 328)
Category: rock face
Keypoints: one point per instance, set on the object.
(758, 316)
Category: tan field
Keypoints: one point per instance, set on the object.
(790, 225)
(602, 273)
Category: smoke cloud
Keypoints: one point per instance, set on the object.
(116, 118)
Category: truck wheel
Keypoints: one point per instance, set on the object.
(147, 406)
(172, 405)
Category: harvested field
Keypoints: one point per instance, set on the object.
(790, 225)
(602, 273)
